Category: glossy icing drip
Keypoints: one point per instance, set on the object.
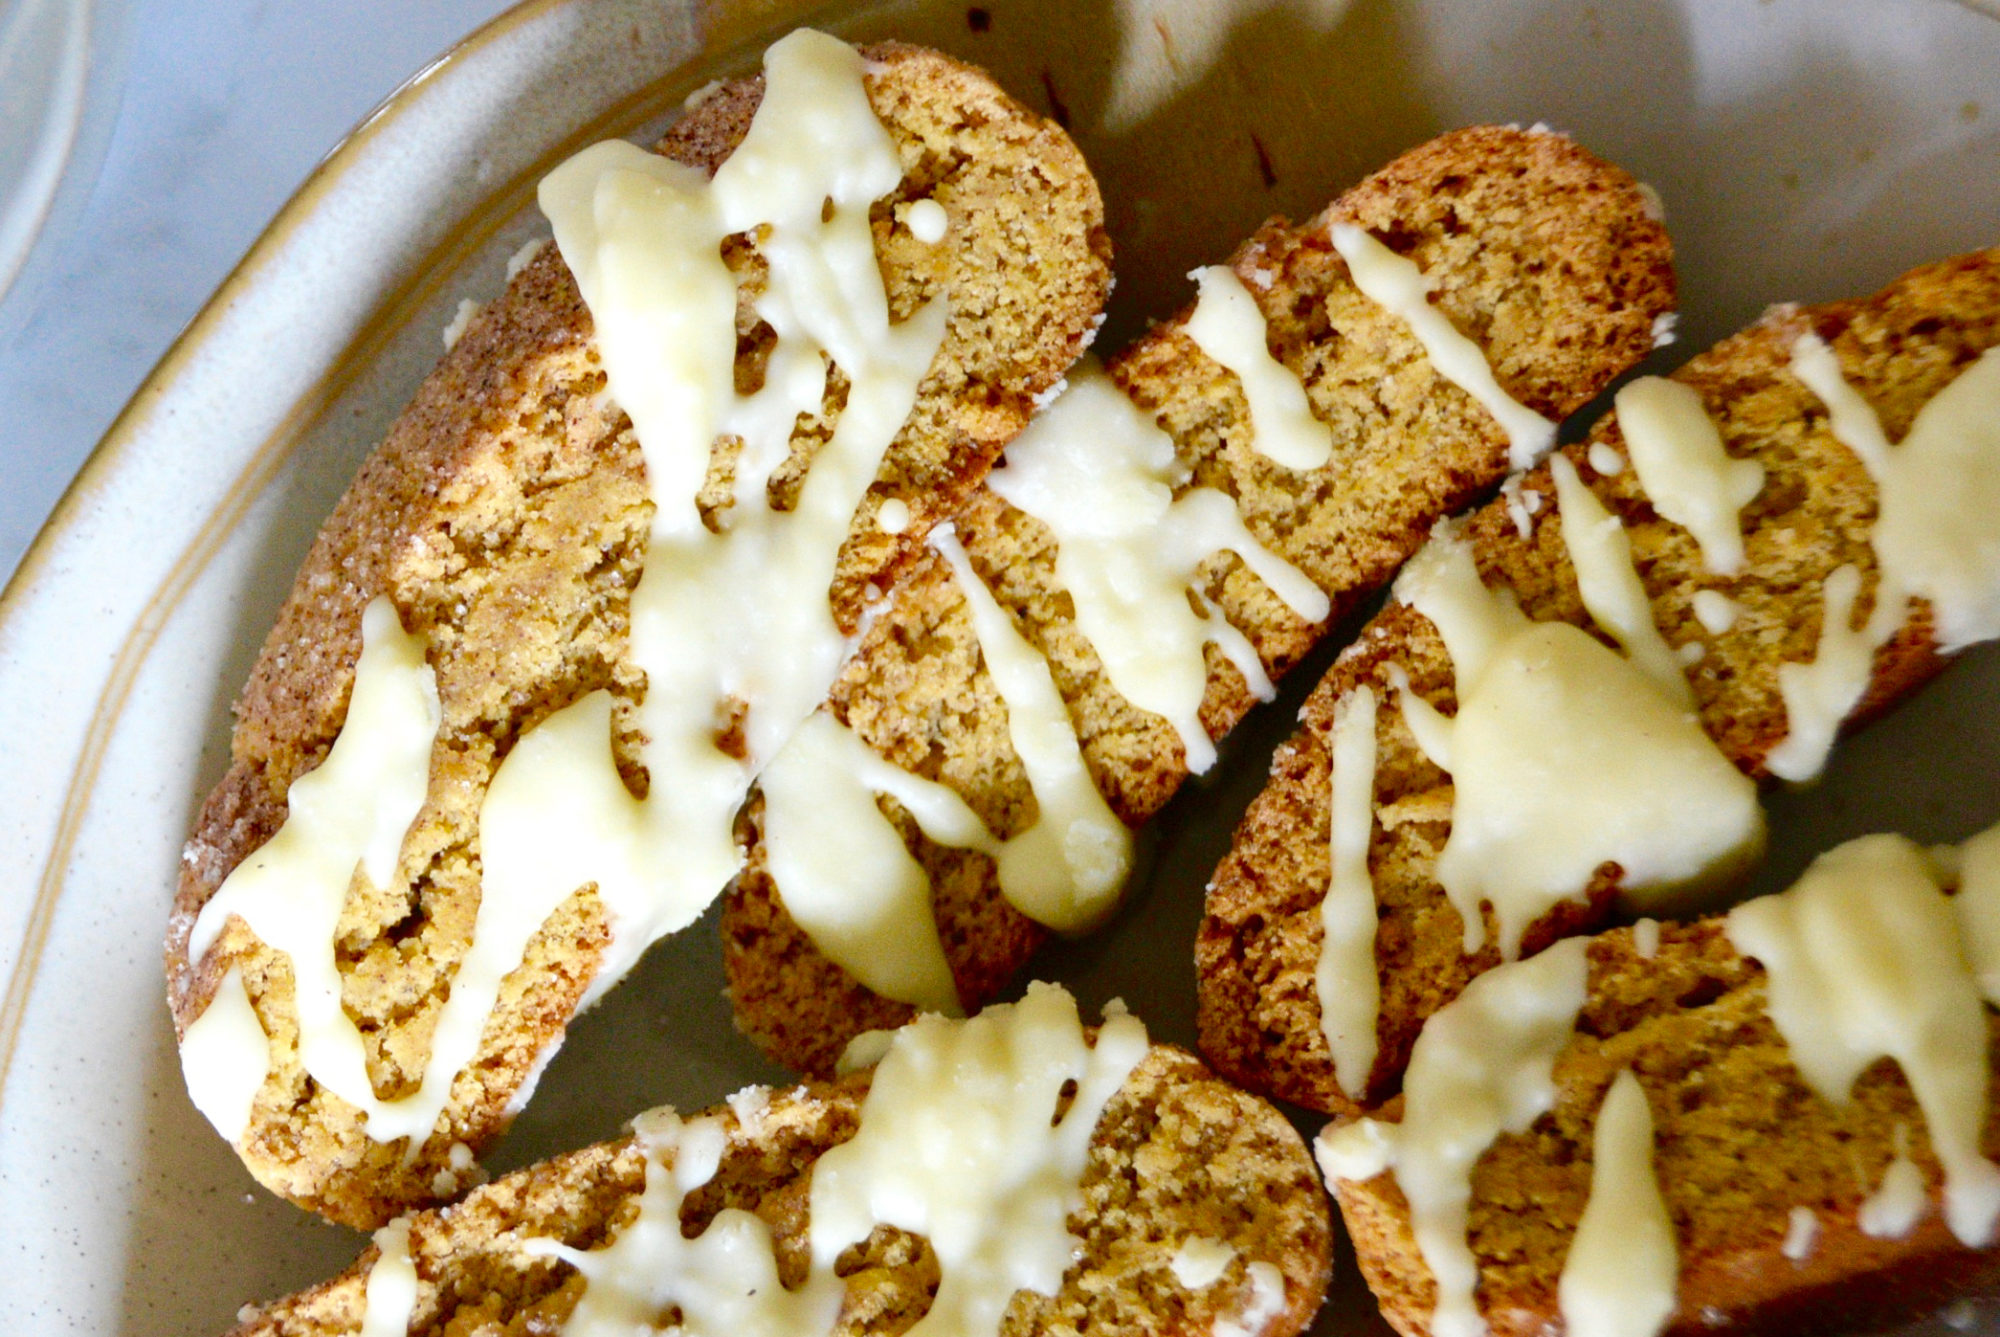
(1865, 960)
(1402, 289)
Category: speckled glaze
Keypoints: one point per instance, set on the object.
(1806, 149)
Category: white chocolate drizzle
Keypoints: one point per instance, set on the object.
(1346, 979)
(461, 321)
(1978, 907)
(1900, 1201)
(1933, 539)
(1522, 504)
(843, 870)
(351, 811)
(1201, 1261)
(1601, 554)
(391, 1289)
(1483, 1066)
(724, 1281)
(1066, 869)
(1716, 611)
(1646, 938)
(1605, 459)
(1864, 960)
(995, 1218)
(1228, 325)
(927, 220)
(739, 617)
(1687, 475)
(1099, 472)
(1621, 1275)
(1403, 290)
(1801, 1234)
(1267, 1301)
(219, 1057)
(957, 1143)
(1819, 692)
(1563, 757)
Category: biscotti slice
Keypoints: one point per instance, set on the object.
(1779, 1121)
(1161, 1201)
(1544, 258)
(1750, 628)
(496, 540)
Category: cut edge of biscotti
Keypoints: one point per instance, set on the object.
(1555, 265)
(505, 517)
(1783, 1208)
(1197, 1208)
(1258, 951)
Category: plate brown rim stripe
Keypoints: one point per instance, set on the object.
(392, 313)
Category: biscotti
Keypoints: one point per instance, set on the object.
(1746, 639)
(1747, 1160)
(1546, 258)
(502, 529)
(1193, 1209)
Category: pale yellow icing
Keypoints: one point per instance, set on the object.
(1900, 1201)
(219, 1056)
(927, 220)
(1601, 555)
(957, 1143)
(1483, 1066)
(1801, 1234)
(1228, 325)
(1933, 539)
(1067, 869)
(843, 871)
(1687, 475)
(1099, 472)
(1716, 611)
(1818, 693)
(1201, 1261)
(1403, 290)
(1978, 906)
(1345, 979)
(995, 1217)
(348, 814)
(1864, 961)
(1267, 1301)
(1564, 757)
(1621, 1276)
(1605, 459)
(391, 1289)
(724, 1281)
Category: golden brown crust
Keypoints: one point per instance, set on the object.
(1259, 944)
(505, 515)
(1176, 1155)
(1537, 250)
(1739, 1141)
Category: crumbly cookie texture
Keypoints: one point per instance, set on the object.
(1739, 1141)
(1259, 945)
(1542, 254)
(506, 514)
(1177, 1155)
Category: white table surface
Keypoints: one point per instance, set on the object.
(227, 107)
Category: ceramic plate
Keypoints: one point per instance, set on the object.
(1806, 149)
